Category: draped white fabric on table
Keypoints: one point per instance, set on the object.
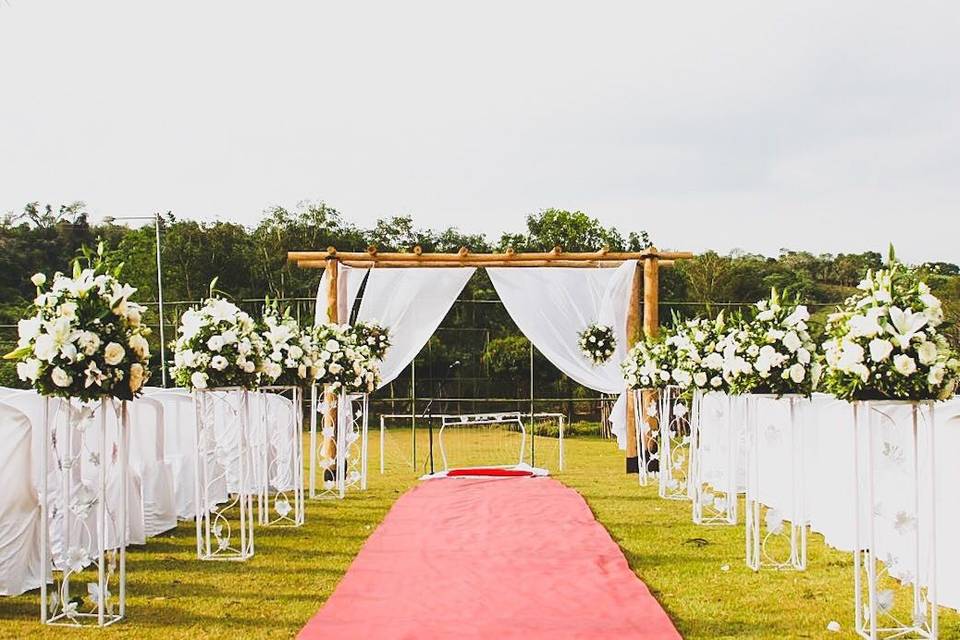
(551, 305)
(411, 303)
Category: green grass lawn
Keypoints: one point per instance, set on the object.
(173, 595)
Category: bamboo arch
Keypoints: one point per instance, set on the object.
(651, 259)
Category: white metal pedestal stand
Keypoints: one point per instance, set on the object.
(221, 448)
(877, 615)
(348, 470)
(91, 454)
(758, 545)
(709, 508)
(281, 457)
(644, 428)
(674, 445)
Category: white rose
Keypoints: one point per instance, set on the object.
(133, 316)
(198, 380)
(28, 370)
(332, 346)
(229, 336)
(716, 381)
(218, 362)
(113, 354)
(215, 343)
(139, 345)
(936, 375)
(927, 353)
(880, 349)
(60, 377)
(904, 364)
(295, 352)
(136, 377)
(334, 368)
(244, 347)
(803, 355)
(798, 373)
(38, 279)
(249, 366)
(792, 341)
(713, 361)
(89, 342)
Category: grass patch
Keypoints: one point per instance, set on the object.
(173, 595)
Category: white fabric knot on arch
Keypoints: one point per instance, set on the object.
(550, 306)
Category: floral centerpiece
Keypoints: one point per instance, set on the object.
(699, 344)
(341, 362)
(774, 353)
(597, 343)
(288, 349)
(217, 346)
(649, 364)
(883, 342)
(374, 336)
(83, 338)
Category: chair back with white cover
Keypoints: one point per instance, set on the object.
(180, 448)
(147, 459)
(20, 568)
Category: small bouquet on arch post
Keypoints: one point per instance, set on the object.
(374, 336)
(341, 363)
(83, 338)
(597, 343)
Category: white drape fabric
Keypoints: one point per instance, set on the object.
(20, 568)
(349, 281)
(551, 305)
(411, 303)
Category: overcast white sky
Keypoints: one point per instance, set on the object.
(826, 126)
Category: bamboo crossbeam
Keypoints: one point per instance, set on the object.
(390, 264)
(464, 256)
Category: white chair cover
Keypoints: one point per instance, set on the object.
(716, 438)
(20, 568)
(147, 458)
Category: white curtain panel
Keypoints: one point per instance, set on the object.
(349, 281)
(411, 303)
(551, 305)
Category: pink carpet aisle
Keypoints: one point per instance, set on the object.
(490, 558)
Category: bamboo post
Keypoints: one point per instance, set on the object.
(651, 328)
(329, 444)
(633, 335)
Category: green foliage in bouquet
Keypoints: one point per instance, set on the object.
(773, 352)
(288, 350)
(374, 336)
(217, 346)
(884, 344)
(83, 338)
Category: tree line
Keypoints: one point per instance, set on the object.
(250, 263)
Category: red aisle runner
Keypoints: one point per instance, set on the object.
(490, 558)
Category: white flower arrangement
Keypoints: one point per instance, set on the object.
(288, 350)
(84, 338)
(774, 353)
(217, 346)
(649, 365)
(883, 342)
(597, 343)
(374, 336)
(341, 362)
(699, 345)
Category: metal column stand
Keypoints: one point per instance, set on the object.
(713, 505)
(86, 508)
(785, 533)
(349, 466)
(224, 457)
(643, 428)
(674, 444)
(912, 515)
(280, 501)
